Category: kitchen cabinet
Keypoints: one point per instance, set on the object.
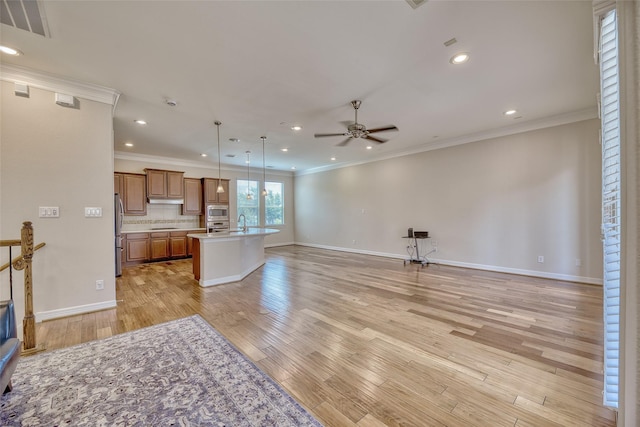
(136, 247)
(211, 196)
(162, 184)
(133, 192)
(190, 246)
(159, 245)
(192, 197)
(178, 244)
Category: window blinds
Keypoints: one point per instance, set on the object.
(611, 232)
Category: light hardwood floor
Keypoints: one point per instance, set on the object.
(365, 341)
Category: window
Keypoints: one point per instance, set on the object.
(249, 207)
(274, 204)
(611, 180)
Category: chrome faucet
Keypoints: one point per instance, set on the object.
(244, 220)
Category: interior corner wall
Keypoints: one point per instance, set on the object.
(496, 204)
(61, 157)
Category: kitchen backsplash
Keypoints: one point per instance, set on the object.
(160, 216)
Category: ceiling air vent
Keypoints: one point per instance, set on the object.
(26, 15)
(415, 3)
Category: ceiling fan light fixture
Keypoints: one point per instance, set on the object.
(510, 112)
(459, 58)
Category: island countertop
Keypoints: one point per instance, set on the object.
(228, 256)
(251, 232)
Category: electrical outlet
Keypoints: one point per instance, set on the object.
(541, 259)
(434, 243)
(99, 285)
(578, 262)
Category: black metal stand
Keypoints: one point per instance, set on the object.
(417, 260)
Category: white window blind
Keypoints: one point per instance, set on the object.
(609, 104)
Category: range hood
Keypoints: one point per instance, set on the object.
(158, 201)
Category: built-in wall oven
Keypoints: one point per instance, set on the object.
(217, 218)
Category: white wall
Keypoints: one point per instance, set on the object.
(57, 156)
(137, 164)
(495, 204)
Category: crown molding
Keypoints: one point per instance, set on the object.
(146, 158)
(546, 122)
(50, 82)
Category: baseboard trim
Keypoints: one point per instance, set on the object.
(72, 311)
(275, 245)
(497, 269)
(232, 278)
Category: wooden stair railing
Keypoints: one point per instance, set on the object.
(24, 262)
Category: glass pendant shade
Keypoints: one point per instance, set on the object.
(264, 179)
(220, 188)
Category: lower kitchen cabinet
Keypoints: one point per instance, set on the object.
(136, 247)
(156, 246)
(160, 248)
(178, 244)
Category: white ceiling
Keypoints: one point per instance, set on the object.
(262, 66)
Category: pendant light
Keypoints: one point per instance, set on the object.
(220, 188)
(264, 174)
(249, 195)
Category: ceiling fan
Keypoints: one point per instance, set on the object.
(358, 130)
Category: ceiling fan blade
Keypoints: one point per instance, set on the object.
(373, 138)
(383, 129)
(322, 135)
(345, 142)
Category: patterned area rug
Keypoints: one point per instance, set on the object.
(178, 373)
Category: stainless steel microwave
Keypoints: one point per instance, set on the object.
(217, 212)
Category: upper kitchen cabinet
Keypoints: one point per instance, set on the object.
(164, 186)
(133, 192)
(210, 188)
(192, 197)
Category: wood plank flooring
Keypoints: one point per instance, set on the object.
(365, 341)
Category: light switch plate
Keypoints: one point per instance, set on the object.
(95, 212)
(49, 212)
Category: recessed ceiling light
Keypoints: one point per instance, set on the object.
(10, 51)
(369, 147)
(128, 144)
(284, 149)
(296, 127)
(140, 122)
(333, 159)
(230, 155)
(510, 112)
(459, 58)
(293, 168)
(203, 155)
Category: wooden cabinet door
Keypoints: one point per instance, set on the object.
(223, 198)
(159, 245)
(134, 195)
(178, 247)
(118, 184)
(156, 183)
(192, 197)
(210, 190)
(175, 187)
(190, 241)
(137, 247)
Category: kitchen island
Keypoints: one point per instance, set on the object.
(228, 256)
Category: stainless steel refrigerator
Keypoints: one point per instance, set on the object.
(119, 214)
